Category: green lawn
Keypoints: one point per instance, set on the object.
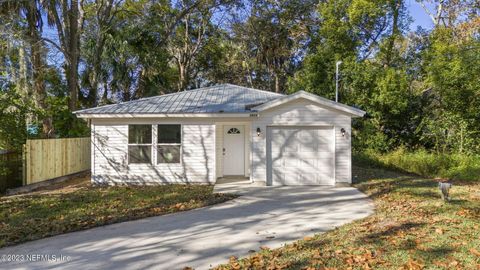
(411, 229)
(66, 209)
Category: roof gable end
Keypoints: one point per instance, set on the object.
(349, 110)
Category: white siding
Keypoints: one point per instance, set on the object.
(247, 149)
(203, 142)
(219, 147)
(302, 113)
(110, 150)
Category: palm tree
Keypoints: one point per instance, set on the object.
(30, 10)
(67, 17)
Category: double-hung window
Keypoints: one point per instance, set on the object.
(169, 143)
(139, 144)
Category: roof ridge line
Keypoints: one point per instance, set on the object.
(148, 98)
(222, 86)
(250, 88)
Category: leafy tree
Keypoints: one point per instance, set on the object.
(452, 67)
(30, 27)
(271, 41)
(14, 112)
(420, 89)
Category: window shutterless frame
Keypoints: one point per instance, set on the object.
(140, 144)
(169, 136)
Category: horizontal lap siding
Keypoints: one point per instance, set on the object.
(302, 113)
(219, 146)
(110, 155)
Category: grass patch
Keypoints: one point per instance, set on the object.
(421, 162)
(412, 228)
(38, 215)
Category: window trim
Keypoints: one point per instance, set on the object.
(157, 144)
(139, 144)
(233, 131)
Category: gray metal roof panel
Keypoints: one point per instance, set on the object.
(226, 98)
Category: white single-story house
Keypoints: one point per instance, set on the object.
(201, 135)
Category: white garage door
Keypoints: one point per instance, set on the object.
(300, 156)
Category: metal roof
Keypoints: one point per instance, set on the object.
(223, 98)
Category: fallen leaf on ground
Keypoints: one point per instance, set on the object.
(413, 265)
(475, 252)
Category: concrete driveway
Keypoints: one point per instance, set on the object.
(201, 238)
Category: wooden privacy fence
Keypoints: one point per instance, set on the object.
(51, 158)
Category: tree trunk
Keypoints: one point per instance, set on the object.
(182, 77)
(396, 13)
(23, 76)
(103, 20)
(72, 84)
(73, 54)
(38, 64)
(277, 83)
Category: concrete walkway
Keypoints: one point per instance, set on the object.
(201, 238)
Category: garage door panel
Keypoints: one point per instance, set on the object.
(293, 179)
(325, 161)
(301, 156)
(309, 147)
(289, 145)
(308, 179)
(290, 179)
(296, 166)
(290, 162)
(285, 149)
(281, 136)
(309, 163)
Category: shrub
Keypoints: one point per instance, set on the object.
(422, 162)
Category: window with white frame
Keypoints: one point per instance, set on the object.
(139, 144)
(169, 143)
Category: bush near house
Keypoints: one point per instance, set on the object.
(78, 207)
(412, 228)
(422, 162)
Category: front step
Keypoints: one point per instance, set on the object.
(236, 186)
(231, 179)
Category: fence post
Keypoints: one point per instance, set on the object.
(24, 164)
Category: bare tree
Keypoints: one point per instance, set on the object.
(68, 18)
(450, 12)
(185, 46)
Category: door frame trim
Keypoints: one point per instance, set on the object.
(244, 146)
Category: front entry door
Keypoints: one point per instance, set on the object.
(233, 150)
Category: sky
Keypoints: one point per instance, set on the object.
(419, 16)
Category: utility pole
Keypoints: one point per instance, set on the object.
(337, 78)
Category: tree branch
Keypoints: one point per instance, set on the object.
(55, 45)
(425, 8)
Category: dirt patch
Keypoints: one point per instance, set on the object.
(65, 187)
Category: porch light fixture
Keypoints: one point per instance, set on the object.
(259, 132)
(343, 132)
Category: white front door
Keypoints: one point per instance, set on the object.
(233, 150)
